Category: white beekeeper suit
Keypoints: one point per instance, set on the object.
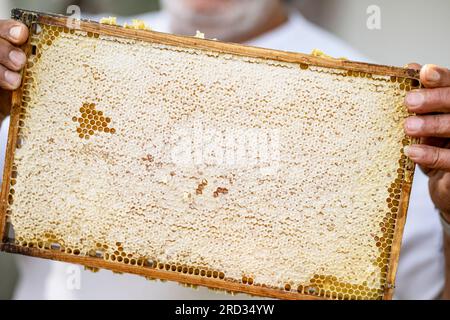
(421, 269)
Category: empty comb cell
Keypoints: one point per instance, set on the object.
(242, 169)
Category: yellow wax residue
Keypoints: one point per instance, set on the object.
(200, 35)
(321, 54)
(137, 24)
(110, 20)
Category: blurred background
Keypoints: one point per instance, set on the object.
(411, 30)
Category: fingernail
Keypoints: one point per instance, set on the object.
(17, 57)
(414, 152)
(13, 78)
(433, 75)
(415, 99)
(414, 124)
(15, 32)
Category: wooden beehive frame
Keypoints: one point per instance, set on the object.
(7, 242)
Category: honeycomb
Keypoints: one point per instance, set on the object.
(257, 172)
(92, 121)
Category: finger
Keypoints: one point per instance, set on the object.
(435, 142)
(433, 76)
(13, 31)
(9, 80)
(429, 157)
(428, 100)
(11, 57)
(428, 126)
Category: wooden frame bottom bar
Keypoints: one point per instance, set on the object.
(209, 283)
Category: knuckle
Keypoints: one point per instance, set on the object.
(437, 97)
(441, 95)
(439, 158)
(6, 57)
(445, 96)
(438, 125)
(3, 81)
(433, 96)
(435, 158)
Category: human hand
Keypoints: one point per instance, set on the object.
(12, 58)
(432, 126)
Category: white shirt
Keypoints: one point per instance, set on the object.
(421, 268)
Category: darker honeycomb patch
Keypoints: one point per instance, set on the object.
(201, 187)
(304, 66)
(92, 121)
(220, 191)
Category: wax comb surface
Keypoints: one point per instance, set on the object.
(242, 169)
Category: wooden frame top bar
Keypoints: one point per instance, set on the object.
(217, 46)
